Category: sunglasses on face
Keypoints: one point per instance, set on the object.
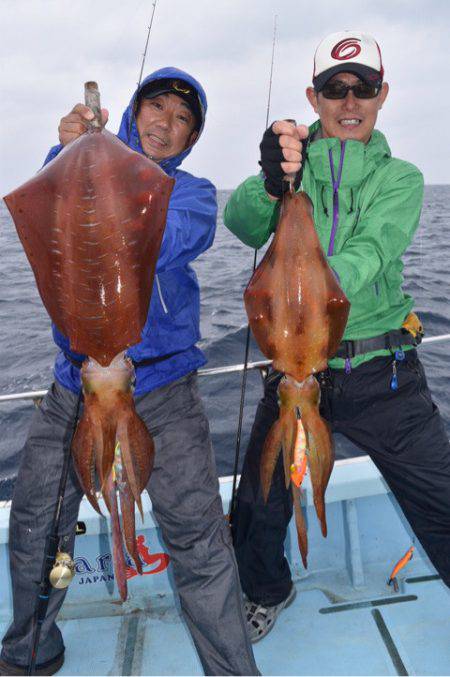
(339, 90)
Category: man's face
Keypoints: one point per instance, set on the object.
(348, 118)
(165, 125)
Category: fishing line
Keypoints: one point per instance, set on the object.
(247, 338)
(271, 69)
(144, 56)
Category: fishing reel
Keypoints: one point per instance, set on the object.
(63, 571)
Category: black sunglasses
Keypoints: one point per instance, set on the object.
(339, 90)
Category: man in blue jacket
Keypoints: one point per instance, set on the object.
(163, 121)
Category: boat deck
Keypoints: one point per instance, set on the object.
(398, 634)
(345, 620)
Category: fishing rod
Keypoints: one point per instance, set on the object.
(144, 56)
(57, 567)
(247, 338)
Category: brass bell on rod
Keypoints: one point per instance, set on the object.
(62, 571)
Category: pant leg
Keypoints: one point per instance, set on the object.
(403, 433)
(259, 529)
(185, 494)
(32, 511)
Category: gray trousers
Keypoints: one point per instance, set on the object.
(185, 495)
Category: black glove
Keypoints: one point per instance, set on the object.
(271, 159)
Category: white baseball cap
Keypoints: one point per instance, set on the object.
(350, 52)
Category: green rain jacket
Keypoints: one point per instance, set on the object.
(366, 210)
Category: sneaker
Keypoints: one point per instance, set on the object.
(48, 668)
(261, 619)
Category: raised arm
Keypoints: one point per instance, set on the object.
(72, 126)
(252, 211)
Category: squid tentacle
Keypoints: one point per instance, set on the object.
(289, 423)
(83, 455)
(137, 449)
(118, 554)
(300, 525)
(129, 523)
(269, 457)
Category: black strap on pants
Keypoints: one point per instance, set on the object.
(389, 341)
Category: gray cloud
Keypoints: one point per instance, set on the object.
(50, 47)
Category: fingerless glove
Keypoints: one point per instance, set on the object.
(271, 159)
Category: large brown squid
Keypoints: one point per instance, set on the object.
(297, 312)
(91, 223)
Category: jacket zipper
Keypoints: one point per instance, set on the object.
(160, 295)
(336, 184)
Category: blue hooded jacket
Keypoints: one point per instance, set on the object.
(173, 322)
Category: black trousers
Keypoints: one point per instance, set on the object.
(402, 432)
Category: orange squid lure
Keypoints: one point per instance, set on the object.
(298, 468)
(407, 557)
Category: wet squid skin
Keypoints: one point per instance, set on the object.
(91, 223)
(297, 312)
(112, 443)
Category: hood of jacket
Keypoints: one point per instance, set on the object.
(129, 133)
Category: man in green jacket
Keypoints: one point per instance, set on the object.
(366, 210)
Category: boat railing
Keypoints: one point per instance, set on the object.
(262, 365)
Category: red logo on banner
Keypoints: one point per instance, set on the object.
(346, 49)
(160, 559)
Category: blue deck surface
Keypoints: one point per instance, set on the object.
(345, 620)
(399, 634)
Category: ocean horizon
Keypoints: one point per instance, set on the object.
(27, 351)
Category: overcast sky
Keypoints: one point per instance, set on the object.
(49, 48)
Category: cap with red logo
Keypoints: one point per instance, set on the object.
(349, 52)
